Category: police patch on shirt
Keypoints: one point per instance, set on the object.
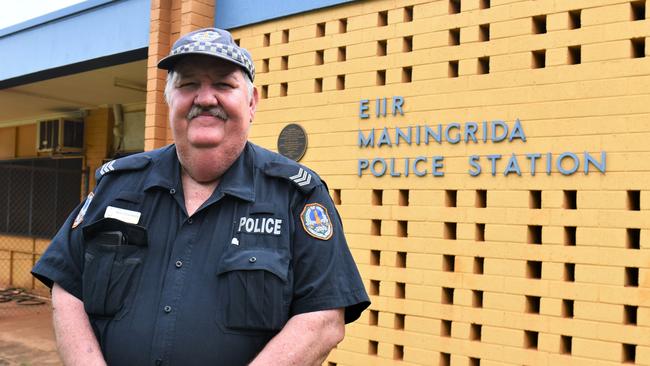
(316, 221)
(80, 216)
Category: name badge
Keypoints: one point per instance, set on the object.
(128, 216)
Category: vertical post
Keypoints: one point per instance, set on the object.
(155, 130)
(11, 268)
(169, 19)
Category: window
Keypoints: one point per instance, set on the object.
(453, 69)
(382, 18)
(407, 74)
(539, 24)
(637, 9)
(320, 30)
(381, 77)
(638, 47)
(575, 55)
(381, 48)
(454, 37)
(343, 25)
(539, 59)
(484, 32)
(575, 21)
(318, 85)
(408, 14)
(454, 6)
(407, 44)
(484, 65)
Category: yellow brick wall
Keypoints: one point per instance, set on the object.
(486, 270)
(98, 135)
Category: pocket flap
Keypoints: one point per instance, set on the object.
(255, 259)
(135, 197)
(262, 208)
(134, 234)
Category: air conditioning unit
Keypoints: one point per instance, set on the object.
(61, 136)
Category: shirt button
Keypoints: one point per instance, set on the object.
(190, 221)
(167, 309)
(252, 259)
(179, 264)
(171, 191)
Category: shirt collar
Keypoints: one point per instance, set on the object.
(165, 172)
(238, 180)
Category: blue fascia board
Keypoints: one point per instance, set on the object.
(236, 13)
(61, 13)
(78, 33)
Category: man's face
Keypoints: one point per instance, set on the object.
(210, 109)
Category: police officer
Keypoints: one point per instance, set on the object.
(210, 251)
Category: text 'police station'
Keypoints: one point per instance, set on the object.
(470, 133)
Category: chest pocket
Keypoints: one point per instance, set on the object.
(254, 289)
(114, 253)
(262, 227)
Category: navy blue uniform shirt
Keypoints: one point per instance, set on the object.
(211, 289)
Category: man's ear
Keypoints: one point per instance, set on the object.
(253, 103)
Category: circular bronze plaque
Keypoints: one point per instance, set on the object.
(292, 142)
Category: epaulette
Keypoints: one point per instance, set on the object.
(132, 162)
(302, 178)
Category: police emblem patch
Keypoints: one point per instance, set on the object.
(80, 216)
(207, 36)
(316, 221)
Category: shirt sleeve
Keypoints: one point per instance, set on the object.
(62, 261)
(325, 275)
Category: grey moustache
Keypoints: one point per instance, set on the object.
(214, 112)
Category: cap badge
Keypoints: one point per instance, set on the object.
(207, 36)
(316, 221)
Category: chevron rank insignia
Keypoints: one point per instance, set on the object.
(108, 167)
(316, 221)
(132, 162)
(302, 178)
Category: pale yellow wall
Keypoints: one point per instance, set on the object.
(405, 248)
(26, 141)
(7, 142)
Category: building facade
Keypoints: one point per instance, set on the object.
(488, 157)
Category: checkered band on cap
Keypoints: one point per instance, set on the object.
(210, 41)
(229, 51)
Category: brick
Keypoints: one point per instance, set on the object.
(598, 311)
(599, 274)
(605, 14)
(596, 349)
(502, 336)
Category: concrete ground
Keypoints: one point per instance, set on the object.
(26, 335)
